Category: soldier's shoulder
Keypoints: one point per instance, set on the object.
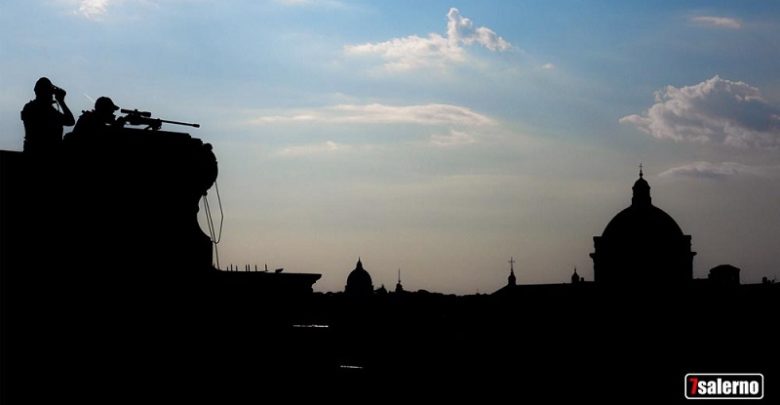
(35, 106)
(30, 109)
(29, 105)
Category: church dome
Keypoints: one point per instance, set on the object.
(645, 222)
(642, 220)
(359, 281)
(642, 244)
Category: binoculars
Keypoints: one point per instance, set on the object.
(58, 92)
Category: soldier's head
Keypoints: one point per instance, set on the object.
(105, 108)
(44, 88)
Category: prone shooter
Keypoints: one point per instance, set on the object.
(101, 118)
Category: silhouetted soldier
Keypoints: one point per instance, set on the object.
(42, 122)
(99, 119)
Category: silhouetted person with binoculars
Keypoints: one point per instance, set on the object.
(43, 123)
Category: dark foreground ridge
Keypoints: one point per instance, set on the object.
(109, 293)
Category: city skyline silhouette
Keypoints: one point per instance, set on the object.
(429, 163)
(97, 271)
(539, 197)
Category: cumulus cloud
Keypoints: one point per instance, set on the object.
(424, 114)
(93, 9)
(716, 110)
(460, 30)
(718, 22)
(722, 170)
(435, 50)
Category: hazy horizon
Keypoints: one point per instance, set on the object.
(441, 138)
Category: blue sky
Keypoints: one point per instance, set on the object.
(439, 137)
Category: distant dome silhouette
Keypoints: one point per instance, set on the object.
(649, 223)
(642, 244)
(359, 281)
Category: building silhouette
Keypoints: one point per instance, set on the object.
(724, 275)
(359, 281)
(576, 278)
(642, 245)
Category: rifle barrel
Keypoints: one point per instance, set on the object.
(181, 123)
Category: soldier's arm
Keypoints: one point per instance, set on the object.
(67, 116)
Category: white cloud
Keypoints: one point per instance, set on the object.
(718, 22)
(722, 170)
(314, 149)
(424, 114)
(715, 110)
(412, 52)
(461, 30)
(548, 66)
(453, 138)
(93, 9)
(457, 120)
(435, 50)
